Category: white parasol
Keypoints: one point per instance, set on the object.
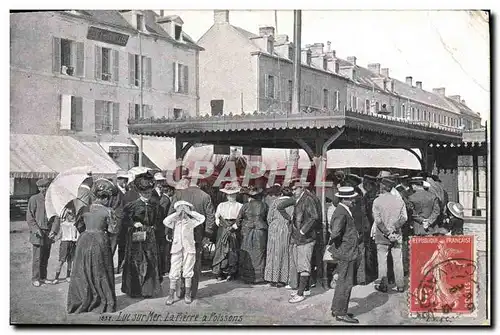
(64, 188)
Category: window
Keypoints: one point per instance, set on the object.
(68, 57)
(367, 106)
(392, 111)
(290, 90)
(413, 113)
(178, 32)
(418, 114)
(106, 64)
(269, 87)
(325, 64)
(181, 78)
(354, 103)
(107, 116)
(307, 95)
(140, 69)
(269, 46)
(325, 98)
(136, 113)
(140, 22)
(217, 107)
(403, 111)
(178, 113)
(377, 107)
(337, 100)
(71, 113)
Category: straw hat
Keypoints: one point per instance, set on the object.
(231, 188)
(346, 192)
(456, 209)
(159, 176)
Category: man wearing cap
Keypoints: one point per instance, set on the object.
(389, 213)
(304, 228)
(202, 203)
(39, 225)
(425, 208)
(345, 241)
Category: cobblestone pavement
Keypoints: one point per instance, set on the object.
(228, 303)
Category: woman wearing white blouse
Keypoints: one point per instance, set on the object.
(225, 262)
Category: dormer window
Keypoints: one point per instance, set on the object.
(178, 32)
(140, 22)
(270, 45)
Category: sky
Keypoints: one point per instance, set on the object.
(441, 48)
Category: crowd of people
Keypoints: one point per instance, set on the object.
(278, 235)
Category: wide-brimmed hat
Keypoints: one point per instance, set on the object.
(352, 180)
(388, 182)
(159, 176)
(231, 188)
(170, 220)
(417, 181)
(122, 174)
(346, 192)
(456, 209)
(383, 174)
(103, 187)
(43, 182)
(251, 190)
(144, 181)
(182, 202)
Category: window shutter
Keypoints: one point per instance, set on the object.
(131, 111)
(98, 115)
(98, 63)
(116, 66)
(56, 57)
(266, 85)
(80, 59)
(186, 79)
(65, 112)
(116, 118)
(77, 114)
(149, 73)
(174, 77)
(131, 69)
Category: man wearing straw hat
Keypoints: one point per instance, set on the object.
(345, 241)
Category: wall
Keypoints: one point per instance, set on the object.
(316, 79)
(36, 91)
(227, 70)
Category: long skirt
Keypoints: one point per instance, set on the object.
(277, 259)
(226, 251)
(252, 260)
(92, 286)
(141, 269)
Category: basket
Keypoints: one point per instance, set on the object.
(139, 236)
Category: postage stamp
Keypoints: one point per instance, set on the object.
(443, 275)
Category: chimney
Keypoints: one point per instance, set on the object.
(331, 54)
(320, 62)
(221, 16)
(419, 84)
(409, 80)
(455, 97)
(265, 43)
(162, 13)
(306, 56)
(266, 31)
(281, 39)
(439, 91)
(463, 102)
(352, 60)
(375, 68)
(328, 46)
(332, 65)
(316, 48)
(285, 50)
(384, 72)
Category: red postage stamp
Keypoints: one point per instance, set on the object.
(442, 275)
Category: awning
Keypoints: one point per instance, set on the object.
(161, 151)
(44, 156)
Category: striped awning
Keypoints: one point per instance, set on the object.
(44, 156)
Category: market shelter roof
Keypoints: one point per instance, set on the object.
(44, 156)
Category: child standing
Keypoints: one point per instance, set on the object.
(66, 229)
(180, 231)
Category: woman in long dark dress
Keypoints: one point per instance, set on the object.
(225, 262)
(92, 286)
(252, 222)
(277, 260)
(141, 218)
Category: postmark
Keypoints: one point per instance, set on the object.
(443, 276)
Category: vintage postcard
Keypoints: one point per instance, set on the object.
(250, 167)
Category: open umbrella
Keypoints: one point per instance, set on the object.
(64, 188)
